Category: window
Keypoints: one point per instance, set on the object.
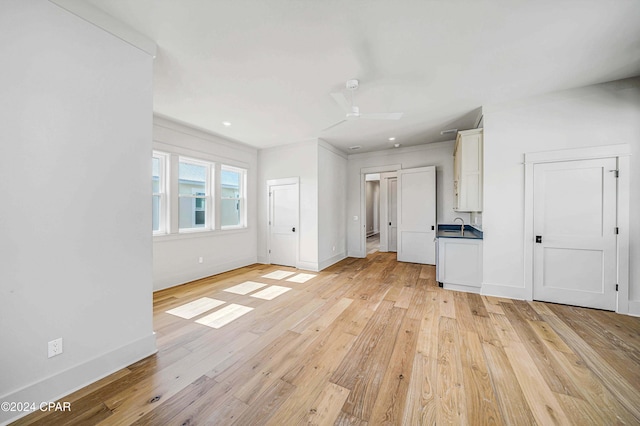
(159, 192)
(194, 195)
(232, 197)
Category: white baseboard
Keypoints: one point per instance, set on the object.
(503, 291)
(332, 260)
(185, 277)
(263, 259)
(459, 287)
(307, 266)
(59, 385)
(634, 308)
(358, 254)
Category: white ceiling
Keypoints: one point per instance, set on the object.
(269, 66)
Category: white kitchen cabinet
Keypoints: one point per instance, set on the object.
(467, 162)
(460, 264)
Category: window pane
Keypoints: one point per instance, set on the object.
(192, 179)
(230, 213)
(156, 212)
(192, 213)
(155, 176)
(230, 184)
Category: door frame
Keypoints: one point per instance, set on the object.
(621, 153)
(384, 210)
(363, 201)
(275, 182)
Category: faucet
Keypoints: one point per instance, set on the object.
(461, 226)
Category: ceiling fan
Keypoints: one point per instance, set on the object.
(353, 112)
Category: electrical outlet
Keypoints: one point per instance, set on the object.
(200, 259)
(55, 347)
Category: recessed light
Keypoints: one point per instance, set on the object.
(226, 124)
(397, 145)
(353, 148)
(392, 138)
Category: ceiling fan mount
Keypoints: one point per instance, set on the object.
(353, 112)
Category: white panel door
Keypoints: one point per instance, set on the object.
(574, 229)
(283, 224)
(392, 229)
(417, 215)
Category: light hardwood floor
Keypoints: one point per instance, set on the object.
(372, 341)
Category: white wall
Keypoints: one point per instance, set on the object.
(175, 256)
(436, 154)
(332, 201)
(296, 160)
(75, 216)
(605, 114)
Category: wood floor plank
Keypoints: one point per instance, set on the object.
(370, 341)
(624, 391)
(480, 398)
(543, 403)
(421, 401)
(511, 400)
(451, 407)
(365, 384)
(391, 399)
(327, 407)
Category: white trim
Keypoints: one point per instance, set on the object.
(404, 150)
(284, 181)
(167, 123)
(331, 261)
(182, 277)
(389, 168)
(364, 171)
(623, 197)
(326, 145)
(634, 308)
(59, 385)
(357, 254)
(307, 266)
(460, 287)
(622, 153)
(498, 290)
(573, 154)
(108, 23)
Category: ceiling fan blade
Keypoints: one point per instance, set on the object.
(333, 125)
(342, 101)
(383, 116)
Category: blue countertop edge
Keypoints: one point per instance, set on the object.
(471, 233)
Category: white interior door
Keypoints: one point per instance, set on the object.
(392, 215)
(417, 215)
(574, 229)
(283, 224)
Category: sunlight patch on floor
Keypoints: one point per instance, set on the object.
(195, 308)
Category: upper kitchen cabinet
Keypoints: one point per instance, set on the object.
(467, 165)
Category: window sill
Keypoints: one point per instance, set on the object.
(198, 234)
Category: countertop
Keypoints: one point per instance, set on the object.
(453, 231)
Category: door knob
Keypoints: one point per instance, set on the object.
(293, 229)
(538, 239)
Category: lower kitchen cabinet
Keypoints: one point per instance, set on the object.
(460, 264)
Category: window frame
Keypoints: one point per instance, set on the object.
(208, 197)
(163, 194)
(241, 199)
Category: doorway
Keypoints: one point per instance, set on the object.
(283, 221)
(574, 221)
(372, 211)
